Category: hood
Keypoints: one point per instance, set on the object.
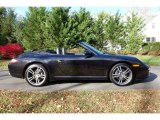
(123, 57)
(126, 57)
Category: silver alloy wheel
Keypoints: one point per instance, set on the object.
(36, 75)
(122, 75)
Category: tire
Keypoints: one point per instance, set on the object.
(36, 75)
(121, 74)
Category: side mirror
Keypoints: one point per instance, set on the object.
(88, 53)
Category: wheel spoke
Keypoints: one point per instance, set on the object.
(37, 80)
(38, 70)
(120, 81)
(31, 71)
(31, 78)
(126, 71)
(119, 69)
(115, 75)
(125, 77)
(42, 76)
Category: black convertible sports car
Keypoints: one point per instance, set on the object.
(39, 67)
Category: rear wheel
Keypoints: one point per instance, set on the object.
(121, 74)
(36, 75)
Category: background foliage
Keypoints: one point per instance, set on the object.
(44, 28)
(134, 33)
(10, 51)
(7, 26)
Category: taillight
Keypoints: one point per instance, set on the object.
(13, 61)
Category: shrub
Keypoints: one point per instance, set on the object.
(124, 52)
(10, 50)
(2, 51)
(145, 49)
(150, 49)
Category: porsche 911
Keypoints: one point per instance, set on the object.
(40, 67)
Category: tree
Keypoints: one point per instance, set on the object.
(114, 30)
(134, 32)
(7, 25)
(99, 29)
(19, 26)
(35, 32)
(58, 26)
(3, 13)
(81, 26)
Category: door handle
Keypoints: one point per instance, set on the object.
(59, 61)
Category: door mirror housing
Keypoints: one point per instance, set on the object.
(88, 53)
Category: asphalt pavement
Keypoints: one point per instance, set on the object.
(11, 83)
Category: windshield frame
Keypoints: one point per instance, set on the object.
(91, 48)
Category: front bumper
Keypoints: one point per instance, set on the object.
(141, 72)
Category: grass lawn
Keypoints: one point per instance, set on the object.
(4, 64)
(150, 60)
(128, 101)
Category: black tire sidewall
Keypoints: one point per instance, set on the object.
(37, 65)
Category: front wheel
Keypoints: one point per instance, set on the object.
(36, 75)
(121, 74)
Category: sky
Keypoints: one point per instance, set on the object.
(94, 10)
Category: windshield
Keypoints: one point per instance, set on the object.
(93, 49)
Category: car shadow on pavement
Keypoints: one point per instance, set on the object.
(151, 78)
(78, 81)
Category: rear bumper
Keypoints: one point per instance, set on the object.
(16, 75)
(15, 70)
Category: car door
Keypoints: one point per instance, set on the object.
(72, 65)
(80, 65)
(96, 66)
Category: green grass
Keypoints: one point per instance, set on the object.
(128, 101)
(150, 60)
(4, 64)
